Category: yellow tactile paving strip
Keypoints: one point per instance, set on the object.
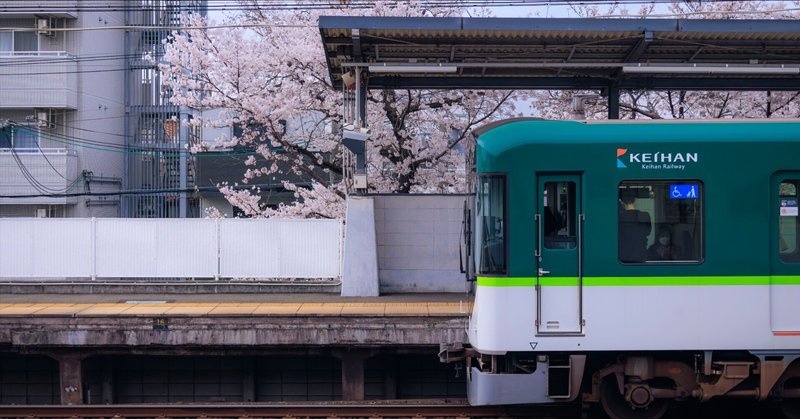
(388, 309)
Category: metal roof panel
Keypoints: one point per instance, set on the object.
(513, 42)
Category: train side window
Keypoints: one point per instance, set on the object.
(660, 221)
(490, 229)
(789, 224)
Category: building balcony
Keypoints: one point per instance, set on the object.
(52, 8)
(29, 176)
(38, 79)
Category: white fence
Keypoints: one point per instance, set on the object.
(168, 248)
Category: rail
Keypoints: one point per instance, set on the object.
(366, 410)
(84, 248)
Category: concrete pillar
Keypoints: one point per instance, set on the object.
(249, 379)
(70, 372)
(353, 374)
(360, 270)
(108, 380)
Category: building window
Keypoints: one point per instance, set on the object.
(491, 230)
(11, 42)
(660, 221)
(19, 137)
(788, 225)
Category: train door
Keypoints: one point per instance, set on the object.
(785, 253)
(558, 278)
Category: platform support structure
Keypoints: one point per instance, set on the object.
(353, 374)
(249, 380)
(108, 380)
(390, 378)
(70, 373)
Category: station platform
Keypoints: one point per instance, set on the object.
(216, 305)
(231, 320)
(94, 340)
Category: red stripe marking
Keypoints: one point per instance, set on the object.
(786, 333)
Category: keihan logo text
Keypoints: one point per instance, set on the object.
(655, 161)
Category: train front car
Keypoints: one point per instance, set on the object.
(636, 263)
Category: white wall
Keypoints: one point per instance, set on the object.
(418, 243)
(165, 248)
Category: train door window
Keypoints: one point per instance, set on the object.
(491, 230)
(660, 221)
(559, 215)
(789, 224)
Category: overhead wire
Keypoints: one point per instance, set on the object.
(261, 186)
(83, 58)
(38, 185)
(163, 150)
(29, 177)
(338, 5)
(49, 163)
(227, 5)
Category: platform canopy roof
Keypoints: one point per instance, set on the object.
(555, 53)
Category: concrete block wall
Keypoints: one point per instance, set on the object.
(418, 238)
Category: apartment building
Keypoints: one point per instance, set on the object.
(86, 129)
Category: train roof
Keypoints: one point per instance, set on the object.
(506, 134)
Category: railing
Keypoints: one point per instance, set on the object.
(33, 176)
(38, 150)
(39, 79)
(63, 54)
(118, 248)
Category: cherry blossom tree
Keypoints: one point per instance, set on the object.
(266, 70)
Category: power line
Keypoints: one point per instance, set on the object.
(167, 151)
(51, 164)
(67, 59)
(355, 4)
(31, 179)
(262, 186)
(270, 5)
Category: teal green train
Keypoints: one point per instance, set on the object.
(635, 263)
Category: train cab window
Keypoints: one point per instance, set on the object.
(660, 222)
(491, 230)
(559, 215)
(789, 222)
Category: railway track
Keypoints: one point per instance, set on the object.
(328, 410)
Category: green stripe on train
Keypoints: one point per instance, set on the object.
(638, 281)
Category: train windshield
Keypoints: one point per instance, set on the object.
(660, 221)
(490, 228)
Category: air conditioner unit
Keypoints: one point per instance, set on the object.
(43, 119)
(43, 26)
(41, 212)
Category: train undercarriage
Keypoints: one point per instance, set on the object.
(631, 385)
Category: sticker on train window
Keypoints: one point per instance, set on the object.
(684, 191)
(789, 207)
